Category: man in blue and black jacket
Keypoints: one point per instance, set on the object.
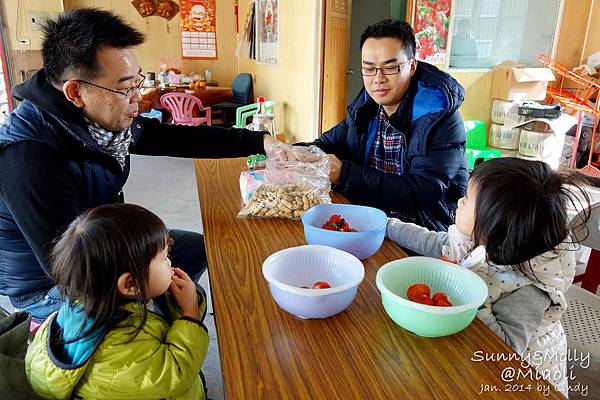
(66, 149)
(401, 147)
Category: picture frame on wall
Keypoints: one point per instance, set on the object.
(267, 31)
(431, 21)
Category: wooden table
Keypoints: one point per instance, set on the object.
(208, 95)
(267, 353)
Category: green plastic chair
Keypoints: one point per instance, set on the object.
(477, 149)
(244, 112)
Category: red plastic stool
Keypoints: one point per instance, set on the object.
(590, 279)
(589, 235)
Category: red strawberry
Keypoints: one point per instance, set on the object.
(334, 219)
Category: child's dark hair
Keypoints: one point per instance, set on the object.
(521, 209)
(72, 41)
(392, 29)
(98, 247)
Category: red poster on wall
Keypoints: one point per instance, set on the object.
(198, 29)
(431, 19)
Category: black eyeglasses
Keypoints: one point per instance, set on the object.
(125, 92)
(387, 70)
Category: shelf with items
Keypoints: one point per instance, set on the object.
(582, 99)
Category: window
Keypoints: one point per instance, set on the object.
(487, 32)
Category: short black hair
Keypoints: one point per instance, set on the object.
(72, 41)
(97, 248)
(394, 29)
(521, 209)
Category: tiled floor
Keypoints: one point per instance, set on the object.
(167, 186)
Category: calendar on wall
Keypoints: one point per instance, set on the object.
(267, 31)
(431, 19)
(198, 29)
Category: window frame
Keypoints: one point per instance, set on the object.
(555, 38)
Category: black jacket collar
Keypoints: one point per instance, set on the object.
(40, 92)
(364, 107)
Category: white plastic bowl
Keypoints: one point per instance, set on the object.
(289, 269)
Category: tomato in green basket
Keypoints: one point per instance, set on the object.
(416, 290)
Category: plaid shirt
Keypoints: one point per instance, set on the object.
(388, 147)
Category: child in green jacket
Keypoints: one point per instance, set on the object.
(132, 328)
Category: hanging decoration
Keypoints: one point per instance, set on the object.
(431, 19)
(199, 29)
(267, 31)
(248, 37)
(159, 8)
(236, 12)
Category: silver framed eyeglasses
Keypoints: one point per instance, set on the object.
(127, 93)
(387, 70)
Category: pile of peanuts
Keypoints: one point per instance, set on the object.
(285, 201)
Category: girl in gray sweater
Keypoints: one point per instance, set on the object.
(512, 230)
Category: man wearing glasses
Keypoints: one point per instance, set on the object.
(401, 147)
(66, 149)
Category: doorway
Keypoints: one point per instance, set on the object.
(6, 105)
(364, 13)
(344, 22)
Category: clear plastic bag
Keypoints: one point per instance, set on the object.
(296, 178)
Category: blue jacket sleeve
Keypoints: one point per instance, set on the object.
(428, 177)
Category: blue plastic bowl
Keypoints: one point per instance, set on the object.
(369, 221)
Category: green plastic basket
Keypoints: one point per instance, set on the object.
(467, 292)
(476, 137)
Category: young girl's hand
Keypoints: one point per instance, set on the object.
(184, 290)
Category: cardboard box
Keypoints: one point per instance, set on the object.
(511, 82)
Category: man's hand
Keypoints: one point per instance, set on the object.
(285, 152)
(184, 290)
(335, 168)
(273, 146)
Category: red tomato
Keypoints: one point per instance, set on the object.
(416, 290)
(442, 303)
(321, 285)
(423, 299)
(441, 299)
(439, 296)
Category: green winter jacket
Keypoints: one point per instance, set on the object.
(162, 361)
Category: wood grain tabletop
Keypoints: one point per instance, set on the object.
(360, 353)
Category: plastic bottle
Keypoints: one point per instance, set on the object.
(263, 121)
(261, 105)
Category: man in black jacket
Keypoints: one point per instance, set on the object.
(66, 148)
(401, 147)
